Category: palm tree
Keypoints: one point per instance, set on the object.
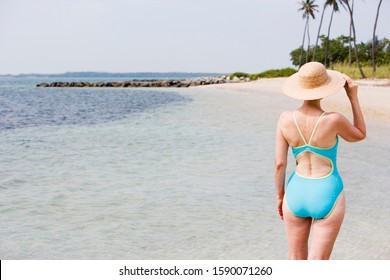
(374, 39)
(350, 36)
(319, 30)
(327, 3)
(335, 5)
(308, 7)
(354, 37)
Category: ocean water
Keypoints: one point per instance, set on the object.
(109, 173)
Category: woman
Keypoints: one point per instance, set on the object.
(314, 198)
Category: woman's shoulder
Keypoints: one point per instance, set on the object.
(333, 116)
(333, 120)
(286, 115)
(285, 119)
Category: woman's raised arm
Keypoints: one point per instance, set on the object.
(357, 131)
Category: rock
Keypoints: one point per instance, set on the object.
(135, 83)
(114, 84)
(235, 79)
(144, 84)
(43, 85)
(194, 84)
(125, 84)
(155, 83)
(61, 84)
(165, 83)
(186, 83)
(79, 84)
(150, 83)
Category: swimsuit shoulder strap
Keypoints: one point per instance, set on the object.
(312, 133)
(315, 127)
(299, 130)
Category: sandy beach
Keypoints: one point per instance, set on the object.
(364, 165)
(374, 96)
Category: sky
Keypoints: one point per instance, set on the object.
(224, 36)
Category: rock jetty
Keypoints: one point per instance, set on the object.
(151, 83)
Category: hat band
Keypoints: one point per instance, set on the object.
(313, 82)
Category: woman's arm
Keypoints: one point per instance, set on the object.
(357, 131)
(281, 150)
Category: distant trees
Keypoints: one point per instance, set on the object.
(335, 8)
(339, 51)
(375, 52)
(346, 2)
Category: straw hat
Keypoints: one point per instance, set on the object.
(313, 81)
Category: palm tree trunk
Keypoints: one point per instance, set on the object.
(327, 42)
(303, 44)
(374, 39)
(354, 40)
(308, 41)
(350, 37)
(318, 33)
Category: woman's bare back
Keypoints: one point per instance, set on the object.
(316, 131)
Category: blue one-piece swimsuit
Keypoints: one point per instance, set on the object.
(314, 197)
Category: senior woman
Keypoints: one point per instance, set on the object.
(313, 200)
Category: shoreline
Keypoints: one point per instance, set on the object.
(374, 96)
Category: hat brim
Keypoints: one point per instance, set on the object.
(334, 84)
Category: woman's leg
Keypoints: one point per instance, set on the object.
(325, 231)
(297, 230)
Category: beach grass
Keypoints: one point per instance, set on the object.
(382, 72)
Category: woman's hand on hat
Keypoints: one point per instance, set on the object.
(350, 87)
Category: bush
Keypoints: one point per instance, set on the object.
(273, 73)
(239, 74)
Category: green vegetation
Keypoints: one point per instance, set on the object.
(361, 54)
(273, 73)
(339, 56)
(382, 72)
(344, 54)
(239, 75)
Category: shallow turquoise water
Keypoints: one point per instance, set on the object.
(181, 180)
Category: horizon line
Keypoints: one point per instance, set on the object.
(110, 73)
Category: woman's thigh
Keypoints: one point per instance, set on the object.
(325, 231)
(297, 230)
